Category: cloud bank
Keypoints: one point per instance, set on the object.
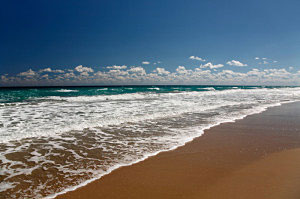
(122, 75)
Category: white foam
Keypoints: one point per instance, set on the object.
(49, 118)
(126, 96)
(5, 185)
(66, 90)
(155, 88)
(209, 88)
(102, 89)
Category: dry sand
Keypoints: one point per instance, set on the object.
(256, 157)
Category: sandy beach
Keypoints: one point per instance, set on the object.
(256, 157)
(150, 99)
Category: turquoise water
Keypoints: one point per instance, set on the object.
(8, 95)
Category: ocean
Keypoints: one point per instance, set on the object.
(57, 139)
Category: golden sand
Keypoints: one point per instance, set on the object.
(256, 157)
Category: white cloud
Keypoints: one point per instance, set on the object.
(196, 58)
(236, 63)
(265, 60)
(138, 70)
(161, 71)
(58, 71)
(4, 78)
(117, 72)
(117, 67)
(69, 75)
(84, 74)
(211, 66)
(274, 70)
(181, 70)
(145, 62)
(45, 76)
(28, 73)
(45, 70)
(49, 70)
(81, 69)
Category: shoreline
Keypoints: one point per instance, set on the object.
(156, 155)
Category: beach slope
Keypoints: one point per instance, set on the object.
(255, 157)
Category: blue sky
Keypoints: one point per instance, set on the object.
(43, 42)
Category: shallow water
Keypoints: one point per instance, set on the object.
(53, 139)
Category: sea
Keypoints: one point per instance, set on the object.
(56, 139)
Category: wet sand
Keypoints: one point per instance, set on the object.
(256, 157)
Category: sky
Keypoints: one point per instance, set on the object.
(117, 42)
